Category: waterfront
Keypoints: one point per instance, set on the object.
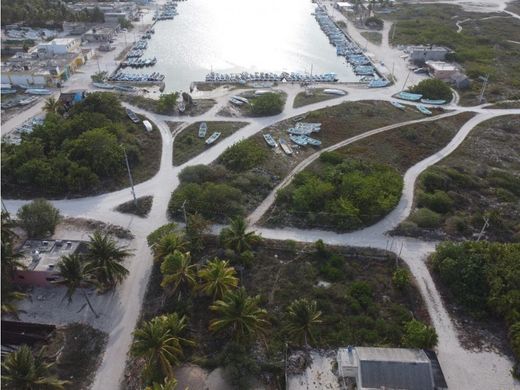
(242, 35)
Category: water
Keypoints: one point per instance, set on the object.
(241, 35)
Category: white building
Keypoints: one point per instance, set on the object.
(441, 70)
(59, 46)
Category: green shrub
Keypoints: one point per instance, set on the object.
(433, 89)
(426, 218)
(243, 155)
(432, 180)
(401, 278)
(267, 104)
(439, 201)
(332, 158)
(38, 218)
(419, 335)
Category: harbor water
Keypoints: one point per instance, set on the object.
(231, 36)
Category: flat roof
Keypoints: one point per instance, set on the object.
(43, 255)
(392, 354)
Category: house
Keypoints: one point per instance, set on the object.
(68, 99)
(390, 368)
(40, 258)
(421, 54)
(59, 46)
(441, 70)
(103, 33)
(460, 81)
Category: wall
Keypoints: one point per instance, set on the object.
(34, 278)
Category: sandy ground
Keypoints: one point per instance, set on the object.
(320, 375)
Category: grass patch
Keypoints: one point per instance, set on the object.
(373, 36)
(479, 180)
(187, 143)
(506, 105)
(247, 109)
(144, 205)
(199, 107)
(315, 95)
(482, 47)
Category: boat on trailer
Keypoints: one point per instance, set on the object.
(203, 129)
(215, 136)
(423, 109)
(269, 140)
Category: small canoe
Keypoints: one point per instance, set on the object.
(285, 147)
(269, 140)
(213, 138)
(409, 96)
(203, 129)
(423, 109)
(398, 105)
(434, 102)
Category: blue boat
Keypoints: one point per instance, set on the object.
(313, 141)
(397, 105)
(299, 139)
(409, 96)
(379, 83)
(433, 102)
(423, 109)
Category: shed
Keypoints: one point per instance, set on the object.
(460, 81)
(147, 125)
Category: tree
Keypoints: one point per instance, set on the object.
(237, 238)
(240, 315)
(167, 103)
(401, 278)
(302, 318)
(154, 237)
(419, 335)
(196, 228)
(433, 89)
(169, 384)
(39, 218)
(178, 272)
(105, 258)
(75, 273)
(9, 297)
(168, 244)
(51, 105)
(267, 104)
(243, 155)
(21, 370)
(10, 260)
(99, 77)
(218, 278)
(124, 22)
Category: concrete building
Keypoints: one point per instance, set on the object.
(421, 54)
(128, 9)
(59, 46)
(102, 33)
(441, 70)
(390, 368)
(41, 257)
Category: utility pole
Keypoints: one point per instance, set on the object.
(485, 80)
(130, 176)
(486, 225)
(184, 212)
(393, 31)
(408, 75)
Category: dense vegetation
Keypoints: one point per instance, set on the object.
(482, 47)
(80, 152)
(242, 316)
(478, 181)
(267, 104)
(38, 218)
(484, 278)
(41, 13)
(340, 194)
(219, 192)
(433, 89)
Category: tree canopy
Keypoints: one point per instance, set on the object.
(433, 89)
(267, 104)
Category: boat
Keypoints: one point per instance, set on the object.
(147, 126)
(124, 88)
(331, 91)
(313, 141)
(241, 99)
(397, 105)
(299, 139)
(270, 140)
(203, 129)
(27, 101)
(133, 117)
(423, 109)
(409, 96)
(379, 83)
(261, 92)
(235, 101)
(103, 85)
(434, 102)
(215, 136)
(7, 91)
(285, 147)
(38, 91)
(181, 106)
(11, 104)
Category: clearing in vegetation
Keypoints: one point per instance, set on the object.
(481, 179)
(314, 95)
(188, 144)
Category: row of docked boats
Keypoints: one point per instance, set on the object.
(139, 62)
(141, 44)
(168, 11)
(122, 76)
(148, 34)
(135, 53)
(122, 88)
(245, 77)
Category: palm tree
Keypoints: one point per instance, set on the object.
(302, 317)
(176, 325)
(22, 370)
(157, 346)
(168, 244)
(235, 236)
(10, 259)
(8, 298)
(51, 105)
(240, 315)
(217, 278)
(169, 384)
(75, 273)
(178, 272)
(105, 258)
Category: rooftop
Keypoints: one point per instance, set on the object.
(401, 355)
(43, 255)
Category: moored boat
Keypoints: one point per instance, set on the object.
(409, 96)
(435, 102)
(270, 140)
(215, 136)
(300, 140)
(203, 129)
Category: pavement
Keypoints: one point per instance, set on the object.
(119, 312)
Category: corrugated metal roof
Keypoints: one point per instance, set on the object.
(392, 354)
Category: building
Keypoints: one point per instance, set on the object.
(128, 9)
(59, 46)
(460, 81)
(103, 33)
(41, 257)
(77, 28)
(421, 54)
(441, 70)
(390, 368)
(68, 99)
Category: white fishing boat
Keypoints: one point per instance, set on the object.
(203, 129)
(423, 109)
(241, 99)
(27, 101)
(270, 140)
(331, 91)
(285, 147)
(313, 141)
(397, 105)
(215, 136)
